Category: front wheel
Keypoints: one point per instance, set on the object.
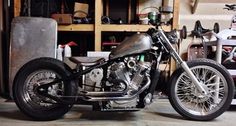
(189, 102)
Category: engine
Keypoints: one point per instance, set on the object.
(127, 75)
(132, 71)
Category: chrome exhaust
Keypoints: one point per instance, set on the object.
(120, 98)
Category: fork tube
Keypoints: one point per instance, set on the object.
(176, 56)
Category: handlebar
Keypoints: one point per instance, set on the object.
(231, 7)
(155, 34)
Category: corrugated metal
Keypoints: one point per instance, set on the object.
(30, 38)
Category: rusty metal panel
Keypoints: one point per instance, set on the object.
(31, 38)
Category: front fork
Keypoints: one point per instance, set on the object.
(182, 63)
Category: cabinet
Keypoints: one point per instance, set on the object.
(97, 28)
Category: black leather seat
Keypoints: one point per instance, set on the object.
(86, 61)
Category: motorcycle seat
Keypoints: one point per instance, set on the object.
(86, 61)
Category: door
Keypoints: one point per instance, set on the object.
(1, 30)
(5, 16)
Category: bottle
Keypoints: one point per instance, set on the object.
(67, 52)
(59, 52)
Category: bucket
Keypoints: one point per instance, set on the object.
(144, 20)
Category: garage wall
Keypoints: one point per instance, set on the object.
(208, 13)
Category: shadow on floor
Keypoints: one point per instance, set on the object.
(74, 115)
(17, 115)
(83, 113)
(232, 108)
(168, 115)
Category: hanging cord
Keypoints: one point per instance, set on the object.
(65, 6)
(48, 8)
(29, 7)
(25, 8)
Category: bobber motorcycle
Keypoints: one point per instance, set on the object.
(46, 88)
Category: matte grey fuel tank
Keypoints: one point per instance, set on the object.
(134, 44)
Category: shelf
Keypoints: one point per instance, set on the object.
(129, 28)
(76, 27)
(108, 27)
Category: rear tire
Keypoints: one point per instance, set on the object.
(38, 72)
(189, 102)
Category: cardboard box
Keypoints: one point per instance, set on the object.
(63, 19)
(81, 7)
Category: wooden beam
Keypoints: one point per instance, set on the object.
(176, 5)
(98, 33)
(175, 25)
(107, 7)
(194, 7)
(17, 7)
(76, 27)
(129, 11)
(129, 28)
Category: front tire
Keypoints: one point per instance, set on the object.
(189, 102)
(38, 72)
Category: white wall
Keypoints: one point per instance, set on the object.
(207, 13)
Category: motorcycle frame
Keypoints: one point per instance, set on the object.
(150, 86)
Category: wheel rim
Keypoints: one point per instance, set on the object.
(40, 77)
(192, 101)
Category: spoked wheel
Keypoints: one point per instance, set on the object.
(189, 102)
(39, 72)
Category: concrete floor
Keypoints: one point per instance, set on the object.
(160, 113)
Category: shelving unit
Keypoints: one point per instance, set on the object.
(98, 27)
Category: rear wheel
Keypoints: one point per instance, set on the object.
(38, 72)
(189, 102)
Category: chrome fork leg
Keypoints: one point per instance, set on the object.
(193, 78)
(183, 64)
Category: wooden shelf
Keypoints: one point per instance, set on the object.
(76, 27)
(109, 27)
(127, 28)
(130, 28)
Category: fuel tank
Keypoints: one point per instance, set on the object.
(134, 44)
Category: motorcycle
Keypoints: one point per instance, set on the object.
(46, 88)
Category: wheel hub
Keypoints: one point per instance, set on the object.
(199, 96)
(34, 89)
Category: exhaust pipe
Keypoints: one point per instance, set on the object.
(108, 93)
(119, 98)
